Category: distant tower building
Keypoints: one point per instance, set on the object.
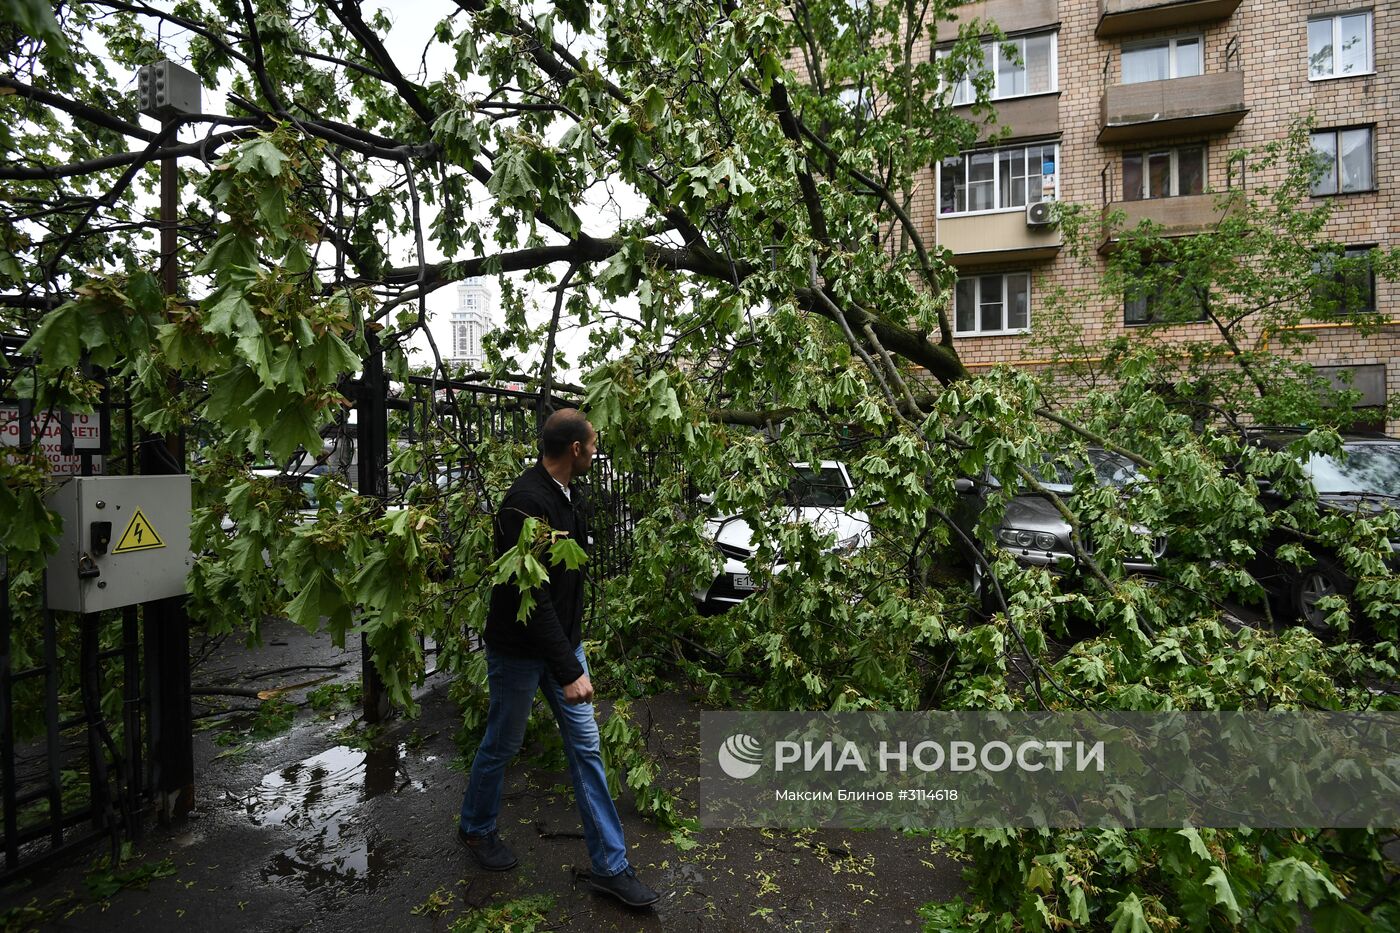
(470, 321)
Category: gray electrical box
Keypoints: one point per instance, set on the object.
(126, 540)
(166, 89)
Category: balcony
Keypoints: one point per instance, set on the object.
(1011, 15)
(1037, 116)
(1120, 17)
(983, 239)
(1201, 105)
(1179, 216)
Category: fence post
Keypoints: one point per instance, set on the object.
(372, 443)
(166, 624)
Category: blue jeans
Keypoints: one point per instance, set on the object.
(513, 682)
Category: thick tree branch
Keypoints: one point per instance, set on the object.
(348, 12)
(77, 109)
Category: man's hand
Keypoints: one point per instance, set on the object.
(580, 691)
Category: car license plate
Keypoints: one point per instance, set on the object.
(743, 581)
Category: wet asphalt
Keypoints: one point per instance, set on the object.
(305, 831)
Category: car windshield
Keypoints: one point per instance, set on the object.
(820, 488)
(1110, 469)
(1364, 468)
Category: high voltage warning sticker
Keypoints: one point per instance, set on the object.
(139, 536)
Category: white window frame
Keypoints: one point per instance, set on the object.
(1173, 151)
(995, 65)
(996, 178)
(1171, 44)
(1336, 21)
(977, 331)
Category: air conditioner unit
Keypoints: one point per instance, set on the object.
(1040, 214)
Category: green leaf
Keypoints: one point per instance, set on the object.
(664, 405)
(330, 358)
(34, 18)
(229, 395)
(1078, 906)
(260, 156)
(272, 209)
(296, 428)
(1193, 838)
(1224, 895)
(305, 608)
(145, 292)
(1295, 878)
(1040, 879)
(287, 369)
(566, 551)
(1128, 917)
(231, 314)
(257, 350)
(512, 177)
(57, 341)
(10, 267)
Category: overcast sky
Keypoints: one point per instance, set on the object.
(413, 24)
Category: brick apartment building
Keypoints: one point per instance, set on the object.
(1134, 105)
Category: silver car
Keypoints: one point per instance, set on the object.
(1034, 532)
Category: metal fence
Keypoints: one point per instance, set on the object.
(469, 413)
(69, 772)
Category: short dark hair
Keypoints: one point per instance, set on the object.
(560, 431)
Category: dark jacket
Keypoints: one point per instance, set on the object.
(554, 627)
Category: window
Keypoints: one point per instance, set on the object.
(817, 487)
(1163, 59)
(1164, 173)
(857, 102)
(998, 179)
(1346, 282)
(1342, 160)
(1339, 46)
(1162, 297)
(993, 304)
(1367, 381)
(1020, 66)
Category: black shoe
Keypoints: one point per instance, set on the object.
(626, 888)
(489, 851)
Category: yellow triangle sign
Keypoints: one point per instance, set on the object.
(139, 536)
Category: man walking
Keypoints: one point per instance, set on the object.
(546, 653)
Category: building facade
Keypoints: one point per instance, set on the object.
(471, 319)
(1134, 105)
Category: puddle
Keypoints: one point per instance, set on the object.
(319, 799)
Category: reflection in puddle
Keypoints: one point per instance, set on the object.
(319, 799)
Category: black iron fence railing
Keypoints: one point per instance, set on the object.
(95, 729)
(72, 766)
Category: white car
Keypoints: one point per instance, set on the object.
(818, 497)
(305, 482)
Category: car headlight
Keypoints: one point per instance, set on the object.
(1020, 537)
(849, 543)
